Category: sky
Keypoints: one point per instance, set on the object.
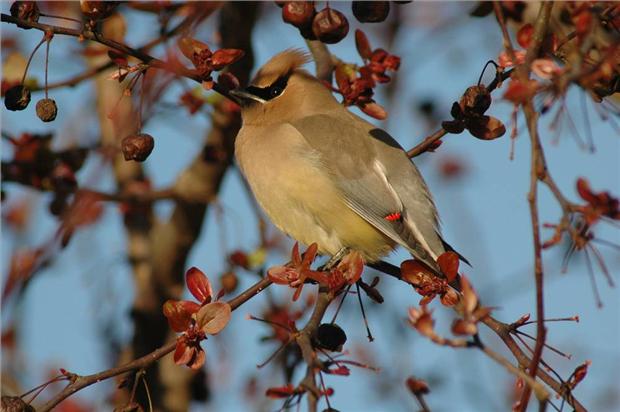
(71, 306)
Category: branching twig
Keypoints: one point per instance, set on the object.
(120, 47)
(143, 362)
(304, 340)
(537, 172)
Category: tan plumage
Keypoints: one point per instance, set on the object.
(324, 175)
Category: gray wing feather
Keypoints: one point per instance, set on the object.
(376, 179)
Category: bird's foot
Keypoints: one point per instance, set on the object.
(333, 261)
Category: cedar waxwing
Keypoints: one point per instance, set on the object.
(324, 175)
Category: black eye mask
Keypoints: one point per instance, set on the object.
(270, 92)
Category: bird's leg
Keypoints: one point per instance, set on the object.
(333, 261)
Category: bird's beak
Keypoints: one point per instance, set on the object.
(244, 98)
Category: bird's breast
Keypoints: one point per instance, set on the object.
(299, 197)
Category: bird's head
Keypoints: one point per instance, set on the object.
(282, 91)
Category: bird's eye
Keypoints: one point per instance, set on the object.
(275, 91)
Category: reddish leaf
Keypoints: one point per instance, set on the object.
(417, 386)
(524, 35)
(504, 60)
(189, 47)
(280, 391)
(579, 374)
(470, 299)
(118, 58)
(309, 255)
(374, 110)
(422, 321)
(450, 298)
(281, 275)
(545, 68)
(223, 57)
(183, 352)
(198, 285)
(239, 258)
(214, 317)
(179, 313)
(584, 190)
(464, 327)
(340, 370)
(519, 92)
(352, 266)
(519, 322)
(295, 255)
(191, 101)
(413, 271)
(297, 293)
(488, 128)
(342, 78)
(362, 44)
(583, 22)
(198, 359)
(449, 264)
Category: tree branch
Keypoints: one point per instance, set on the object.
(86, 34)
(143, 362)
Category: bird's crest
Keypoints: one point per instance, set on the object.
(280, 65)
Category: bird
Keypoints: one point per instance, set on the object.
(324, 175)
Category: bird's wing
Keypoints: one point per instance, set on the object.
(376, 179)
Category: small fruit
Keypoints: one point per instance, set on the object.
(17, 98)
(47, 110)
(330, 26)
(371, 11)
(97, 10)
(331, 337)
(298, 13)
(25, 10)
(229, 282)
(137, 146)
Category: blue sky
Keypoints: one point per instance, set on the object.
(484, 215)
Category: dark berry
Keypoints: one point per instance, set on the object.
(330, 26)
(331, 337)
(17, 98)
(371, 11)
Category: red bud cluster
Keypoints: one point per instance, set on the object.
(205, 61)
(358, 90)
(298, 270)
(598, 204)
(195, 320)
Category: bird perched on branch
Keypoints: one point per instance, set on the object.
(324, 175)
